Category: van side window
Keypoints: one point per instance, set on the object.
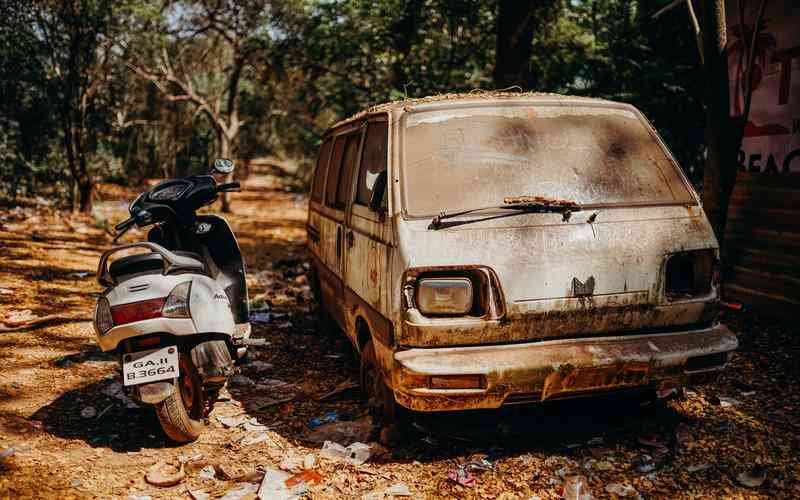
(333, 171)
(321, 170)
(349, 164)
(373, 160)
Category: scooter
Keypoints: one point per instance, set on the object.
(177, 315)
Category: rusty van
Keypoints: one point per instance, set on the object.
(497, 249)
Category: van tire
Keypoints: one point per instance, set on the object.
(173, 414)
(374, 389)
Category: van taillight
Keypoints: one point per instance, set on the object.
(691, 274)
(137, 311)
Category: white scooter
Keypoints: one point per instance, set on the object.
(177, 315)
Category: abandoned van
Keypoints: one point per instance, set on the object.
(489, 250)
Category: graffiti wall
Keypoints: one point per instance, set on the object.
(772, 135)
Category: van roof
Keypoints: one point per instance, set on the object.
(476, 95)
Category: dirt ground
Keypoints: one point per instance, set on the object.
(66, 432)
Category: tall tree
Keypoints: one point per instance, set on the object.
(516, 22)
(76, 36)
(203, 62)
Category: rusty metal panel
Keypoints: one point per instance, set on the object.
(762, 253)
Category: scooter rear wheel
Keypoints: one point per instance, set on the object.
(181, 413)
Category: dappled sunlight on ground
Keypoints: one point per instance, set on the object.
(78, 436)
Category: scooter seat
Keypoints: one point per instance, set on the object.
(145, 263)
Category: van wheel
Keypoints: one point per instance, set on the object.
(373, 388)
(181, 414)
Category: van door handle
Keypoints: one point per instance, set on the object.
(350, 239)
(338, 242)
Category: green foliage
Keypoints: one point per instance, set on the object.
(307, 64)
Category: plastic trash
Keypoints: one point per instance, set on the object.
(262, 317)
(255, 439)
(259, 366)
(355, 454)
(199, 495)
(207, 472)
(644, 463)
(273, 486)
(577, 488)
(331, 416)
(309, 461)
(462, 476)
(697, 467)
(481, 465)
(232, 421)
(622, 490)
(7, 452)
(299, 482)
(291, 464)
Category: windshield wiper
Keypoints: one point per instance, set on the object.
(520, 204)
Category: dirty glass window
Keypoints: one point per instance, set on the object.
(462, 158)
(319, 172)
(349, 163)
(333, 171)
(373, 160)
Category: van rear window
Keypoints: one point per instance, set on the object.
(321, 169)
(463, 158)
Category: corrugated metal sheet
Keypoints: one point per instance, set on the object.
(762, 254)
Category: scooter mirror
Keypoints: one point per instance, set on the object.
(223, 166)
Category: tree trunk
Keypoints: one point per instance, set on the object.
(85, 195)
(515, 23)
(720, 171)
(224, 152)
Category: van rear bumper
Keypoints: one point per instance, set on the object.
(539, 371)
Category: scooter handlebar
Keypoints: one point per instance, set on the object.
(229, 186)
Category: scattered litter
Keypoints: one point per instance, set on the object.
(240, 381)
(726, 402)
(207, 472)
(697, 467)
(753, 478)
(262, 317)
(299, 481)
(291, 464)
(577, 488)
(78, 274)
(241, 490)
(6, 291)
(259, 366)
(340, 388)
(161, 474)
(748, 393)
(462, 476)
(230, 472)
(622, 491)
(480, 465)
(199, 495)
(309, 461)
(255, 439)
(22, 316)
(344, 433)
(88, 412)
(233, 421)
(139, 497)
(251, 342)
(331, 416)
(273, 486)
(644, 463)
(253, 425)
(355, 454)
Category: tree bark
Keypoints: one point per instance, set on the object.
(720, 171)
(515, 24)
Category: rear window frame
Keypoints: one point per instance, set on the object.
(404, 208)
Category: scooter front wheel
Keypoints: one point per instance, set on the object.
(181, 413)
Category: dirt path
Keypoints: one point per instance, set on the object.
(51, 374)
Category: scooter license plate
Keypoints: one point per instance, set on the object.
(150, 366)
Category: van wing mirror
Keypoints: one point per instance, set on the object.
(378, 192)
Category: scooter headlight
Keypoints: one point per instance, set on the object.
(177, 303)
(102, 316)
